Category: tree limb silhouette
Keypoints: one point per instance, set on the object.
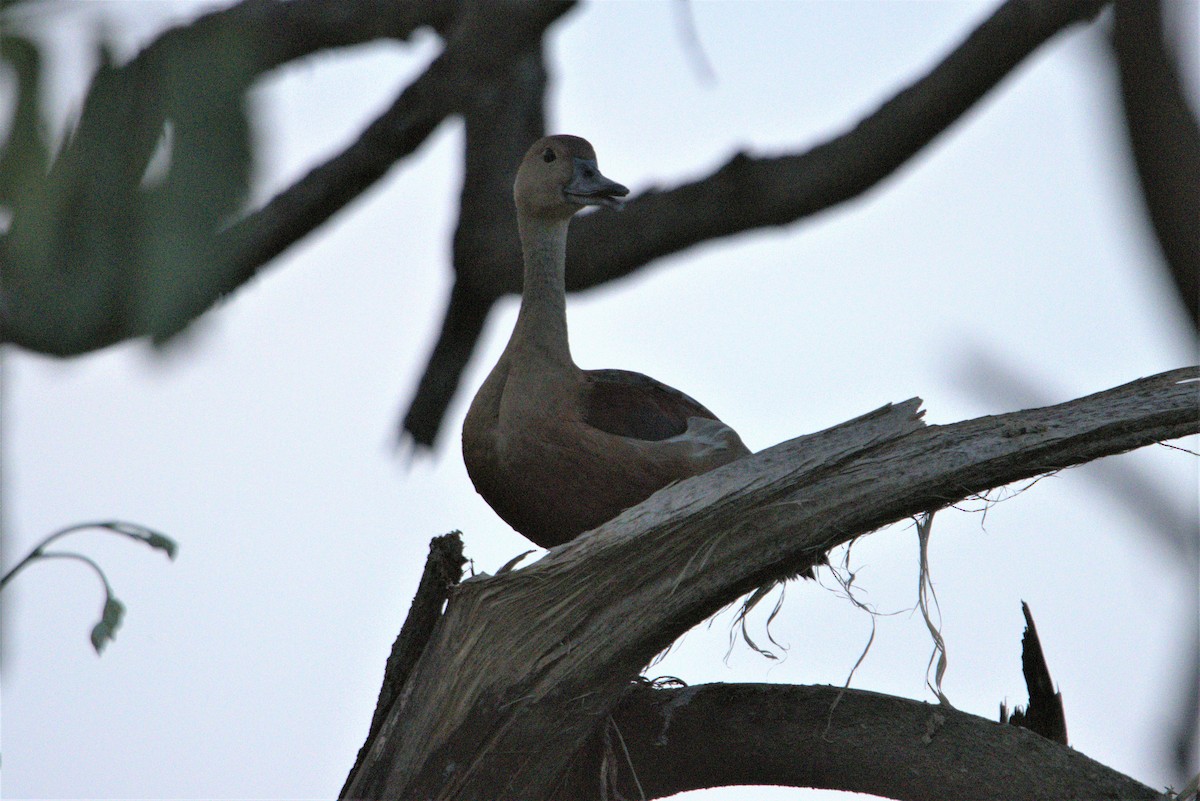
(717, 735)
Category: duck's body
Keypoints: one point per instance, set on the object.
(554, 449)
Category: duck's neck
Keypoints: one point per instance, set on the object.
(541, 329)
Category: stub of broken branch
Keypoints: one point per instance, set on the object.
(524, 667)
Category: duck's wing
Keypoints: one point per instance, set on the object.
(630, 404)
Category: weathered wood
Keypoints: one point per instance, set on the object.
(666, 741)
(524, 666)
(443, 570)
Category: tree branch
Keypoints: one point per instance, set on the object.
(523, 666)
(500, 124)
(717, 735)
(486, 44)
(1165, 142)
(443, 569)
(749, 193)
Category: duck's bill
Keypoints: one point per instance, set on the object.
(607, 201)
(589, 188)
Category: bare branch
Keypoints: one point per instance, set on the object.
(1044, 714)
(524, 666)
(500, 124)
(1165, 141)
(716, 735)
(749, 193)
(443, 569)
(486, 44)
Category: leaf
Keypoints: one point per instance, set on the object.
(25, 154)
(99, 249)
(147, 535)
(110, 620)
(163, 543)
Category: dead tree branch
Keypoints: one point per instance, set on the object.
(717, 735)
(523, 667)
(443, 569)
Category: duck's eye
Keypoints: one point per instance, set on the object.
(548, 155)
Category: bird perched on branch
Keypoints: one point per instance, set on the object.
(554, 449)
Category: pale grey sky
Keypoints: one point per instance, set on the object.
(250, 666)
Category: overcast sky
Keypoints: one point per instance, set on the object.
(249, 667)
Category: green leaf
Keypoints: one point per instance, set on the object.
(147, 535)
(25, 156)
(110, 620)
(163, 543)
(118, 238)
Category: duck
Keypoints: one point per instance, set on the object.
(554, 449)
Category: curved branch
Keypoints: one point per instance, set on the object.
(749, 193)
(485, 45)
(717, 735)
(524, 666)
(1165, 141)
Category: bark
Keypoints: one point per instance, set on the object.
(666, 741)
(1044, 714)
(443, 569)
(524, 667)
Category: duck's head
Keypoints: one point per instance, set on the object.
(559, 176)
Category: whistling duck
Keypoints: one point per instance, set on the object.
(554, 449)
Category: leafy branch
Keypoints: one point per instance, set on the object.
(113, 611)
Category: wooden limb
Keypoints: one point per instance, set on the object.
(717, 735)
(487, 251)
(465, 316)
(1044, 714)
(443, 570)
(524, 667)
(484, 46)
(1165, 141)
(749, 193)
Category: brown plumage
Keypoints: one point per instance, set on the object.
(554, 449)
